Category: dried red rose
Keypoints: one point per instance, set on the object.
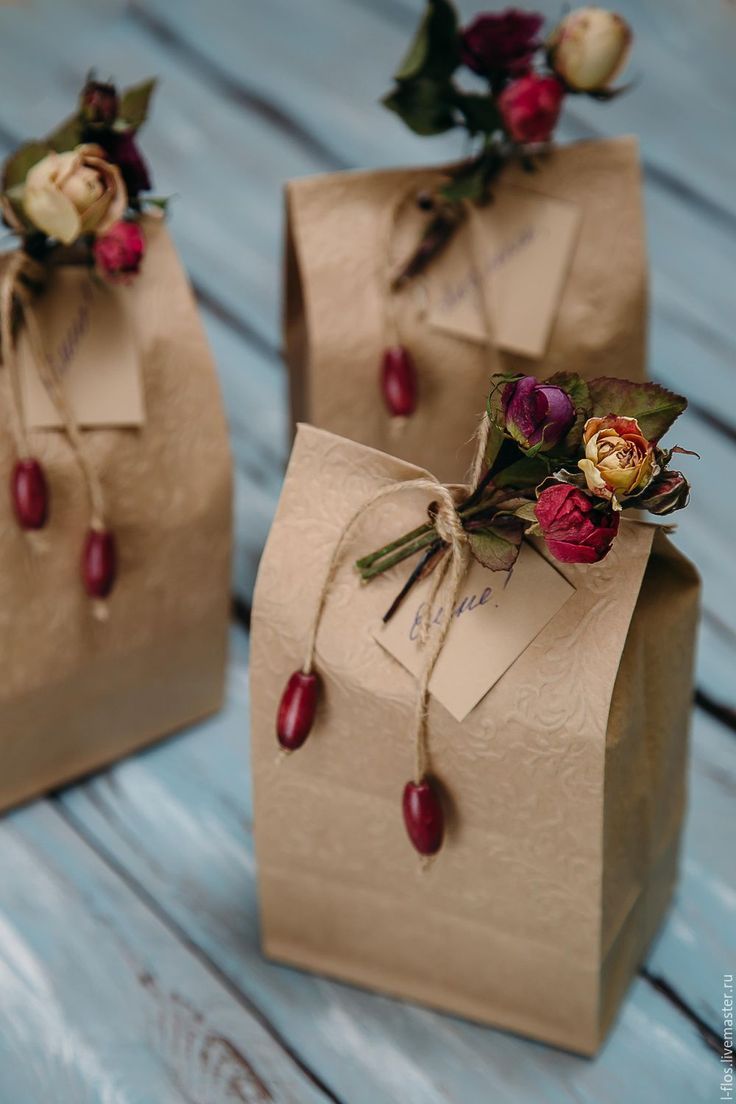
(119, 252)
(575, 529)
(501, 44)
(530, 107)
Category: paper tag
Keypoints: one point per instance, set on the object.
(496, 617)
(88, 335)
(523, 256)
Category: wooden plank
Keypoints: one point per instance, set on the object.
(102, 1002)
(178, 820)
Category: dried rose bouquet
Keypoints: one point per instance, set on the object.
(564, 459)
(511, 109)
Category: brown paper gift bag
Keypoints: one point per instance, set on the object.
(75, 693)
(335, 298)
(566, 784)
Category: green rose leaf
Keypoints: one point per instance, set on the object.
(425, 106)
(479, 111)
(497, 547)
(67, 135)
(524, 473)
(654, 407)
(18, 164)
(435, 51)
(469, 182)
(134, 104)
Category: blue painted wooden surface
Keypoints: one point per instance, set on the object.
(129, 962)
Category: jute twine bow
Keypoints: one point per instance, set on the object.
(19, 276)
(449, 527)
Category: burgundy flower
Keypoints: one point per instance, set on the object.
(99, 103)
(501, 44)
(575, 530)
(667, 492)
(122, 150)
(537, 413)
(119, 251)
(530, 107)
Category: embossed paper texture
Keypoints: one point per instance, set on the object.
(76, 694)
(337, 231)
(564, 785)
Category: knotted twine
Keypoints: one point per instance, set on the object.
(450, 530)
(447, 521)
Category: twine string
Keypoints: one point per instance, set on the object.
(447, 521)
(14, 290)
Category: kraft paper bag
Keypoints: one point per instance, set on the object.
(76, 693)
(584, 201)
(565, 784)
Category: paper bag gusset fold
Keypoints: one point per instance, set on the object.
(564, 786)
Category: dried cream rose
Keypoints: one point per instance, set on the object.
(74, 193)
(589, 48)
(619, 461)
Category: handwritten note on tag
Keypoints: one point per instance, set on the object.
(495, 619)
(523, 258)
(88, 336)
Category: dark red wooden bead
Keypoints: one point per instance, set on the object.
(30, 495)
(423, 817)
(399, 381)
(297, 708)
(99, 563)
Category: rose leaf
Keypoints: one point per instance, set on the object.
(424, 104)
(18, 164)
(67, 135)
(134, 103)
(435, 51)
(497, 547)
(654, 407)
(526, 472)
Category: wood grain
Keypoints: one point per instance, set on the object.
(129, 959)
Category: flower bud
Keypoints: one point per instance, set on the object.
(530, 107)
(537, 414)
(98, 103)
(589, 48)
(666, 493)
(119, 252)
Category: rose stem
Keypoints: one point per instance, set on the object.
(419, 572)
(401, 554)
(368, 561)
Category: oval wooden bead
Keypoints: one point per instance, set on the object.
(99, 563)
(29, 494)
(399, 381)
(423, 817)
(297, 709)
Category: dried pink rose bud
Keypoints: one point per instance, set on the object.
(119, 251)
